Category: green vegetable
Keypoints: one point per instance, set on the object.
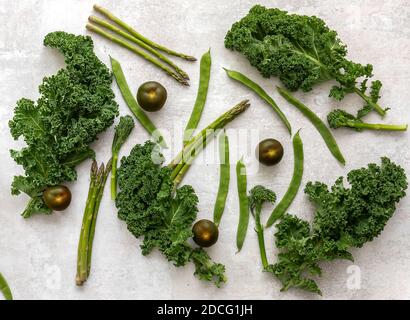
(133, 104)
(183, 160)
(122, 131)
(57, 198)
(151, 96)
(205, 233)
(75, 105)
(5, 289)
(224, 178)
(339, 118)
(345, 218)
(204, 76)
(137, 35)
(257, 197)
(301, 50)
(294, 185)
(98, 178)
(269, 152)
(142, 44)
(155, 209)
(261, 93)
(243, 204)
(319, 125)
(138, 51)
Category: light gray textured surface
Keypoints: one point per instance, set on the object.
(38, 256)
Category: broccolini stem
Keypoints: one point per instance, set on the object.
(377, 126)
(142, 44)
(261, 238)
(5, 289)
(182, 161)
(138, 51)
(366, 98)
(114, 176)
(139, 36)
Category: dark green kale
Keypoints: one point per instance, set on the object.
(75, 105)
(345, 218)
(146, 201)
(302, 51)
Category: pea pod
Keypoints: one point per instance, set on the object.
(294, 185)
(319, 125)
(261, 93)
(204, 76)
(133, 104)
(243, 204)
(5, 289)
(223, 179)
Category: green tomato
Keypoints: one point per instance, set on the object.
(151, 96)
(269, 152)
(205, 233)
(57, 198)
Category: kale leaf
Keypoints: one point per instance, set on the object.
(345, 218)
(147, 203)
(74, 106)
(301, 51)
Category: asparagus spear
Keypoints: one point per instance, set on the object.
(137, 41)
(138, 51)
(139, 36)
(98, 178)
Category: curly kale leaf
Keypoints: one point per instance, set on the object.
(75, 105)
(300, 50)
(345, 218)
(147, 203)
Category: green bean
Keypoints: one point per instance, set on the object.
(223, 179)
(204, 75)
(243, 204)
(142, 44)
(133, 104)
(138, 51)
(319, 125)
(294, 185)
(261, 93)
(5, 289)
(136, 34)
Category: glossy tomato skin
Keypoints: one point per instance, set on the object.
(269, 152)
(205, 233)
(151, 96)
(57, 198)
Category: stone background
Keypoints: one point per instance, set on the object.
(38, 256)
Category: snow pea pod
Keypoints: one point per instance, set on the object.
(319, 125)
(261, 93)
(223, 179)
(5, 289)
(204, 76)
(243, 204)
(133, 104)
(294, 185)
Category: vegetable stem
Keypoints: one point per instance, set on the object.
(138, 51)
(376, 126)
(142, 44)
(139, 36)
(200, 141)
(98, 178)
(261, 238)
(368, 100)
(5, 288)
